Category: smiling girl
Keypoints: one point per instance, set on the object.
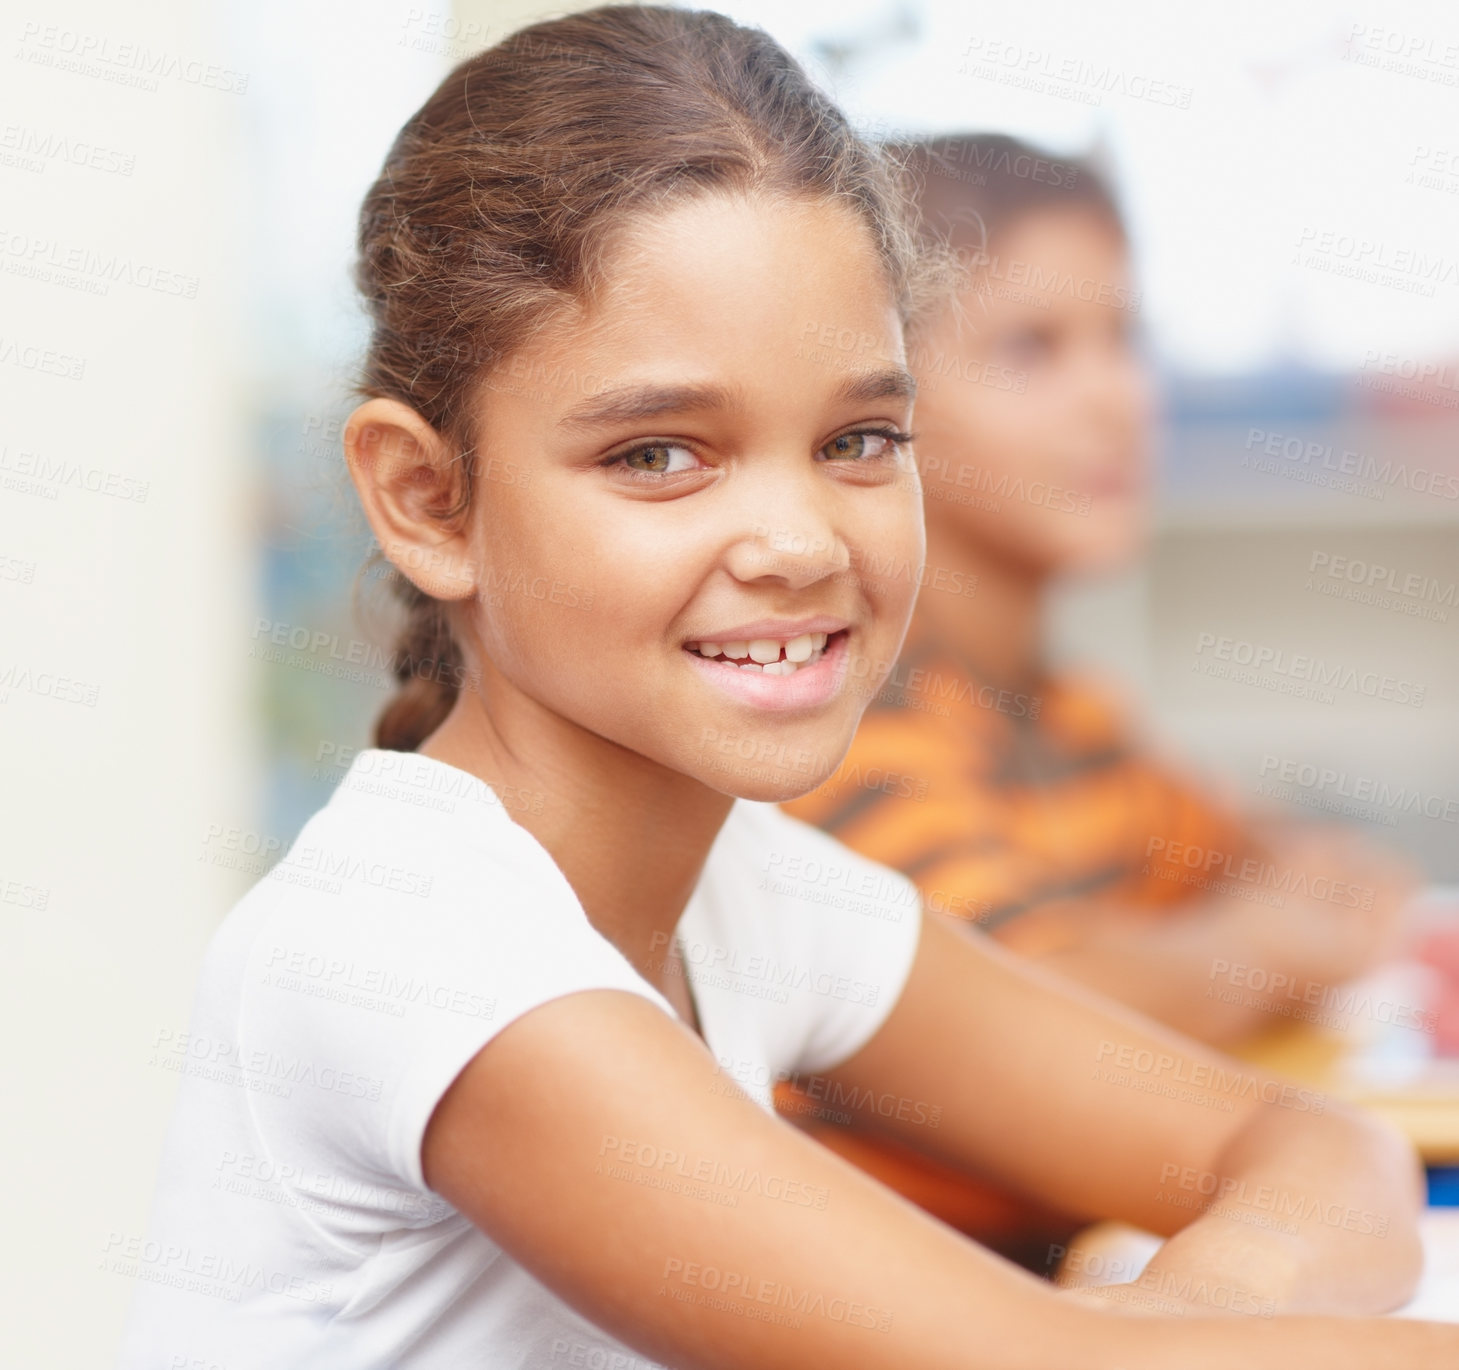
(481, 1074)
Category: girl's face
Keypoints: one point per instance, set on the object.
(1034, 409)
(705, 455)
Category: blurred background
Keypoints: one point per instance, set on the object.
(183, 677)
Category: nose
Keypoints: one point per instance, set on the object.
(790, 533)
(1113, 387)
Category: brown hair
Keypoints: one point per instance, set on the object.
(497, 197)
(971, 187)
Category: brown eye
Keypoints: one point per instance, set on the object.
(657, 459)
(649, 459)
(847, 445)
(867, 445)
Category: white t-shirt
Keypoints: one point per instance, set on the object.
(411, 921)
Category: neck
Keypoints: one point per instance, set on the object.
(997, 629)
(630, 835)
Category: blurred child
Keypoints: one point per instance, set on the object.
(1017, 796)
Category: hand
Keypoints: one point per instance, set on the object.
(1351, 916)
(1207, 1270)
(1152, 1298)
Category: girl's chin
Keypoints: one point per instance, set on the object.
(1102, 547)
(1108, 555)
(768, 791)
(773, 769)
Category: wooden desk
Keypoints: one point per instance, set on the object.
(1391, 1070)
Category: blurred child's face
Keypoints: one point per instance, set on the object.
(696, 457)
(1033, 410)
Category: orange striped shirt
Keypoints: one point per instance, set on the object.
(1020, 810)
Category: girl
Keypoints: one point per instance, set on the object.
(481, 1074)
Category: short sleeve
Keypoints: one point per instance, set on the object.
(382, 992)
(850, 926)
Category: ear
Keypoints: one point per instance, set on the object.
(407, 475)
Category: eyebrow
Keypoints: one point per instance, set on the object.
(632, 403)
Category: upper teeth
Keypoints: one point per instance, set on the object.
(765, 650)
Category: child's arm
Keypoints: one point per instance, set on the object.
(597, 1141)
(1226, 966)
(1177, 969)
(1284, 1194)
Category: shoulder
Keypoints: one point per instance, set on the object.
(409, 844)
(425, 869)
(397, 939)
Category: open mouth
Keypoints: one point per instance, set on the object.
(769, 656)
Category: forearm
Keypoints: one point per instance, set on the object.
(1171, 970)
(1302, 1216)
(1035, 1109)
(1130, 1343)
(1165, 971)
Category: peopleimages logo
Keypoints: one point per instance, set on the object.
(1070, 78)
(1240, 1191)
(1251, 871)
(123, 62)
(1319, 463)
(1371, 574)
(1376, 586)
(1297, 670)
(1044, 280)
(1325, 782)
(1395, 266)
(1278, 991)
(1423, 375)
(34, 473)
(33, 149)
(1214, 1076)
(761, 975)
(87, 267)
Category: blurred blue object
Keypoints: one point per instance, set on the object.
(1444, 1186)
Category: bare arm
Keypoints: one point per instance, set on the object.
(598, 1098)
(1318, 1212)
(1171, 970)
(1058, 1093)
(594, 1098)
(1194, 970)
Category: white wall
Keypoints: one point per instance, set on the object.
(125, 694)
